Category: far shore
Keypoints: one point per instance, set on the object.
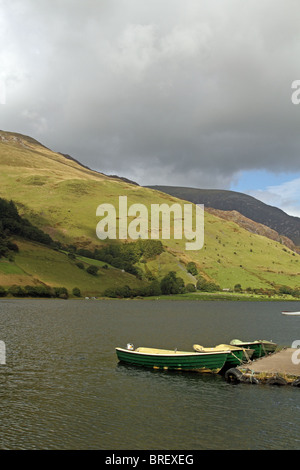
(195, 296)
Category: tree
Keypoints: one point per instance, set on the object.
(16, 291)
(3, 292)
(207, 286)
(201, 283)
(38, 291)
(76, 292)
(190, 287)
(171, 284)
(93, 270)
(212, 287)
(180, 285)
(61, 292)
(192, 268)
(285, 290)
(238, 288)
(154, 288)
(80, 265)
(11, 223)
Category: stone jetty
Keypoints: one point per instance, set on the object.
(279, 368)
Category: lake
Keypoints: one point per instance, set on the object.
(62, 386)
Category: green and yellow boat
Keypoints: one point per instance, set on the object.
(239, 355)
(164, 359)
(235, 357)
(260, 347)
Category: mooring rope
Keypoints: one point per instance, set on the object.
(237, 357)
(262, 344)
(246, 354)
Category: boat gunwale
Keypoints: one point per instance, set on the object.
(262, 341)
(174, 354)
(234, 348)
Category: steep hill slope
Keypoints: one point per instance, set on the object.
(254, 227)
(248, 206)
(37, 265)
(60, 196)
(31, 263)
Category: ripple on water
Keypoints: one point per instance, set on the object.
(62, 387)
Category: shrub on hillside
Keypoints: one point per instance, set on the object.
(93, 270)
(61, 292)
(16, 291)
(80, 265)
(171, 284)
(3, 292)
(38, 291)
(190, 287)
(237, 288)
(192, 268)
(76, 292)
(207, 286)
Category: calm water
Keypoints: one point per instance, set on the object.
(62, 388)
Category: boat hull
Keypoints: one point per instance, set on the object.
(170, 360)
(260, 348)
(290, 313)
(238, 355)
(256, 347)
(268, 347)
(235, 356)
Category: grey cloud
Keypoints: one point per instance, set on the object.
(167, 93)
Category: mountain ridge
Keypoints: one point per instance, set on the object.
(246, 205)
(254, 227)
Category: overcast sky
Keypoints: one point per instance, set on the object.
(192, 93)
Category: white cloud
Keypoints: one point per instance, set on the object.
(286, 196)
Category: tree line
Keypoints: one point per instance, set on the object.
(170, 284)
(12, 224)
(123, 255)
(41, 291)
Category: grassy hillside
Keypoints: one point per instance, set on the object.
(60, 196)
(36, 264)
(249, 206)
